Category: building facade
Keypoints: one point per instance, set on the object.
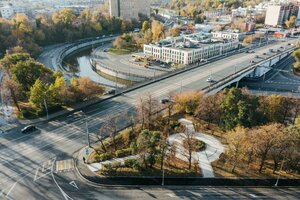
(277, 14)
(6, 12)
(129, 9)
(188, 50)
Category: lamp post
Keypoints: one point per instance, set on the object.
(276, 184)
(87, 131)
(45, 104)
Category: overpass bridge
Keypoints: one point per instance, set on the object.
(256, 70)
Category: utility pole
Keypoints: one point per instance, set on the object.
(276, 184)
(87, 132)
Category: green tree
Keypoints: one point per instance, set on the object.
(39, 94)
(147, 143)
(26, 73)
(145, 27)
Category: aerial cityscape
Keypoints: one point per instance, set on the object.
(149, 99)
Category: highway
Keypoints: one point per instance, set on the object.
(26, 160)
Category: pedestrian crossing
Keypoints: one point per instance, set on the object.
(64, 165)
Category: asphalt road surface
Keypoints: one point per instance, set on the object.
(25, 160)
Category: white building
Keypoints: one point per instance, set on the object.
(129, 9)
(189, 49)
(277, 14)
(6, 12)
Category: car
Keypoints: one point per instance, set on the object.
(165, 101)
(256, 56)
(105, 50)
(97, 38)
(103, 36)
(252, 61)
(210, 80)
(28, 129)
(113, 91)
(203, 60)
(264, 54)
(111, 35)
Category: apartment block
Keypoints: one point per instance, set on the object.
(277, 14)
(129, 9)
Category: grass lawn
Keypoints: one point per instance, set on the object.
(121, 51)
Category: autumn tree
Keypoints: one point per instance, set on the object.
(145, 27)
(157, 29)
(236, 139)
(291, 22)
(188, 102)
(209, 108)
(266, 137)
(273, 107)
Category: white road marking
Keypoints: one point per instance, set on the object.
(74, 184)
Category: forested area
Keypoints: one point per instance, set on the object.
(62, 26)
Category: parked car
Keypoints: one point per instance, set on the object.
(28, 129)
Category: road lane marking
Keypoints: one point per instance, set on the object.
(74, 184)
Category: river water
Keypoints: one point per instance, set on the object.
(79, 63)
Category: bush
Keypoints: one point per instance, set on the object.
(132, 163)
(123, 152)
(133, 147)
(102, 157)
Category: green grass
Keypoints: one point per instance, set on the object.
(121, 51)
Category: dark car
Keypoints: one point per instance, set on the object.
(28, 129)
(164, 101)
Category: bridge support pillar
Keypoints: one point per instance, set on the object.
(237, 84)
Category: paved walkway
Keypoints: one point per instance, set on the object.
(213, 150)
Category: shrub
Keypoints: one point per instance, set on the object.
(132, 163)
(133, 147)
(103, 157)
(127, 136)
(123, 152)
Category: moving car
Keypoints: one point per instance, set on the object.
(210, 80)
(28, 129)
(164, 101)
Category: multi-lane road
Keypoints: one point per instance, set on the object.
(26, 160)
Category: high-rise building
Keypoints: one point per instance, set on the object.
(277, 14)
(129, 9)
(6, 12)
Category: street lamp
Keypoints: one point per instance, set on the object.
(45, 104)
(279, 173)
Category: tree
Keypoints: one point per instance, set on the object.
(110, 127)
(188, 102)
(189, 143)
(15, 91)
(236, 139)
(39, 95)
(146, 108)
(296, 55)
(85, 89)
(239, 109)
(209, 108)
(27, 72)
(273, 107)
(265, 137)
(157, 29)
(147, 143)
(145, 27)
(291, 22)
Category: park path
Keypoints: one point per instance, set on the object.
(213, 150)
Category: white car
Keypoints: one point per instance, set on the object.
(210, 80)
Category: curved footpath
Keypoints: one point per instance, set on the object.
(212, 152)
